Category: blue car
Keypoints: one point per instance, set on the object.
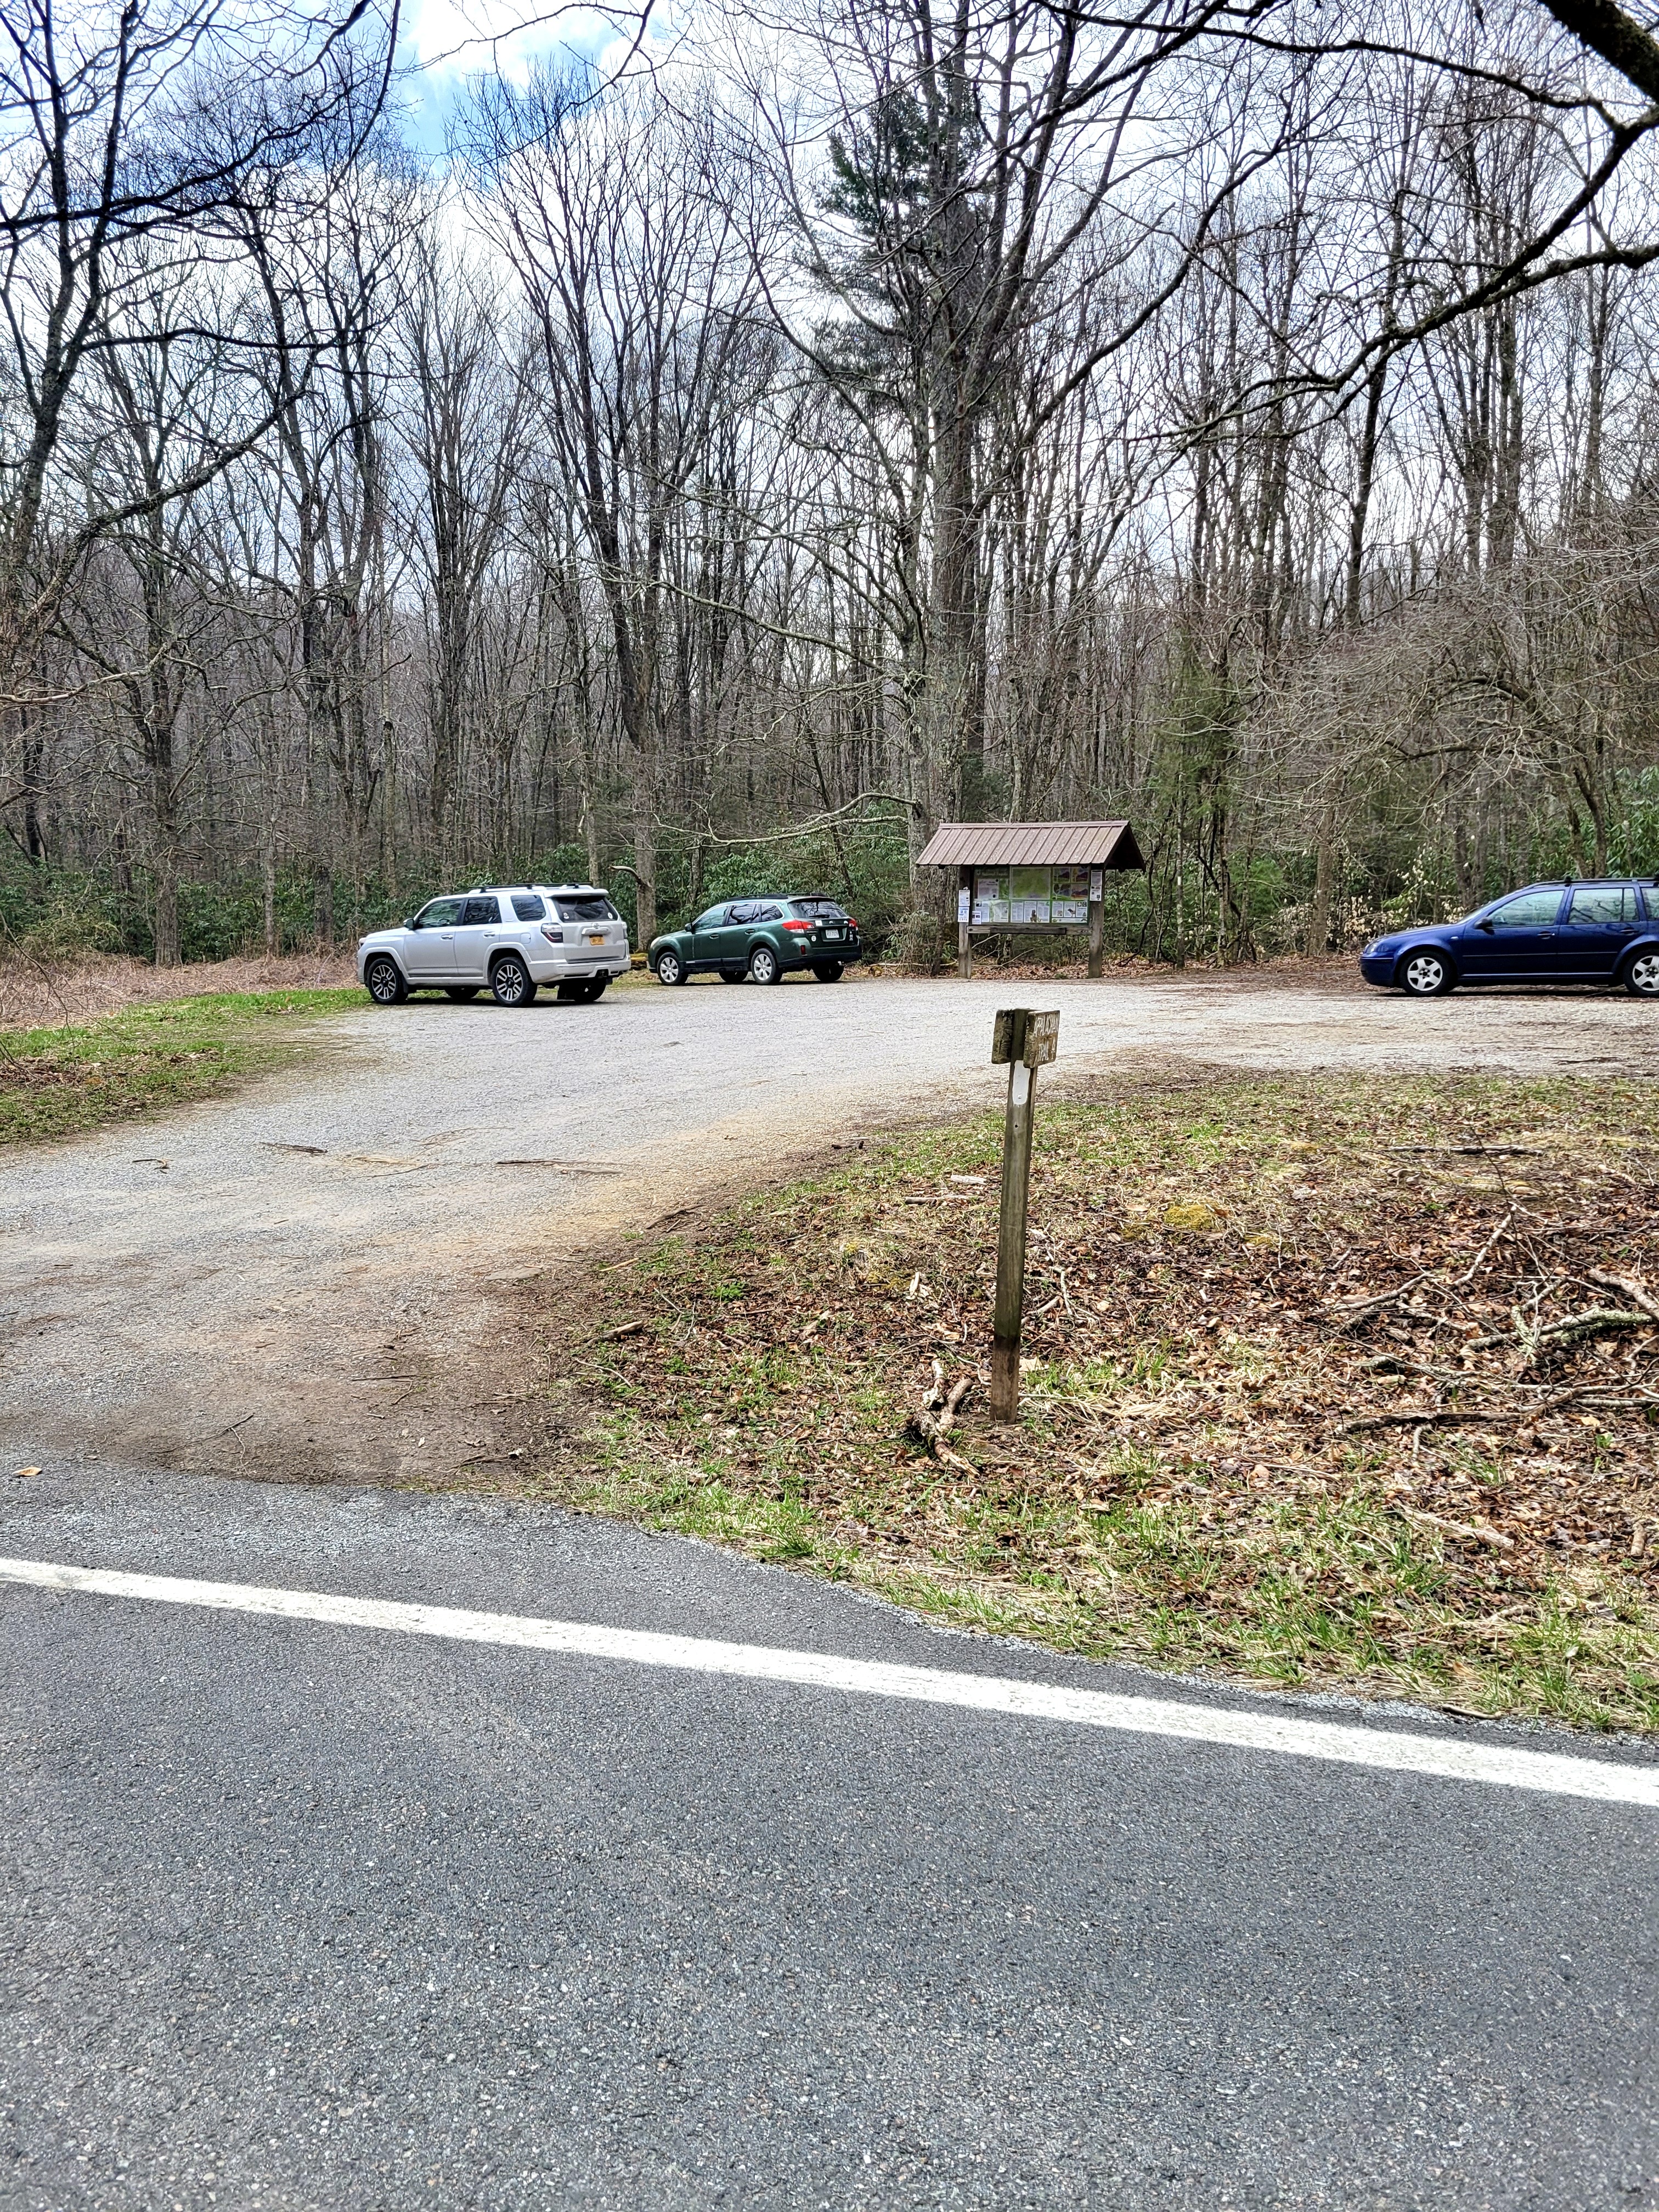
(1605, 931)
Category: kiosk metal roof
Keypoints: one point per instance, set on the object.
(1032, 844)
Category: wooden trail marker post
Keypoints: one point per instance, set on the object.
(1023, 1042)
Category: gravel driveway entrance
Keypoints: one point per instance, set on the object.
(316, 1279)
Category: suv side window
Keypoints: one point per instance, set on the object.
(526, 906)
(1532, 910)
(1599, 905)
(440, 913)
(768, 913)
(712, 919)
(745, 911)
(480, 909)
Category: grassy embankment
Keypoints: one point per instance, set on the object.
(1295, 1410)
(63, 1082)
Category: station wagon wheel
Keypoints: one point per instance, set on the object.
(511, 982)
(764, 966)
(1642, 975)
(460, 992)
(384, 980)
(671, 969)
(727, 976)
(827, 971)
(1425, 974)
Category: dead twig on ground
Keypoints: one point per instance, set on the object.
(1353, 1309)
(1473, 1531)
(1637, 1293)
(1561, 1332)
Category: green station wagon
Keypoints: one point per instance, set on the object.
(758, 940)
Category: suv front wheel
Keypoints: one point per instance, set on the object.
(511, 982)
(383, 981)
(764, 965)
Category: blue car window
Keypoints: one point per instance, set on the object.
(1601, 905)
(1532, 910)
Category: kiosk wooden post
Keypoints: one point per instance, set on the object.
(1023, 1041)
(1096, 921)
(964, 914)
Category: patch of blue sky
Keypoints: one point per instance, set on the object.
(447, 44)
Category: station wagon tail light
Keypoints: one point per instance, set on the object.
(799, 926)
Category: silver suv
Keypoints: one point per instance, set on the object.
(512, 938)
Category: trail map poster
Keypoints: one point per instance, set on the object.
(1029, 894)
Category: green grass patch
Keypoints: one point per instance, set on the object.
(64, 1082)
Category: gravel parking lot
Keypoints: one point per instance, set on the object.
(316, 1279)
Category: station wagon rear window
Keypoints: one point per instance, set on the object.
(585, 909)
(817, 909)
(1604, 905)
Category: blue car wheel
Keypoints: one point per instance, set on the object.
(1642, 975)
(1425, 974)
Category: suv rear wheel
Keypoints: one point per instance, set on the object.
(1425, 974)
(511, 982)
(383, 979)
(764, 965)
(1642, 975)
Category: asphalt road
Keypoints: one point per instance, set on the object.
(304, 1916)
(321, 1276)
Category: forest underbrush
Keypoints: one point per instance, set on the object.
(1332, 1382)
(38, 993)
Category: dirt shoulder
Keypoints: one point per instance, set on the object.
(1333, 1380)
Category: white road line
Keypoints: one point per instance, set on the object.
(1400, 1754)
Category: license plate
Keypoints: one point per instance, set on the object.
(597, 940)
(832, 933)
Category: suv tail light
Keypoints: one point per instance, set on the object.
(552, 932)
